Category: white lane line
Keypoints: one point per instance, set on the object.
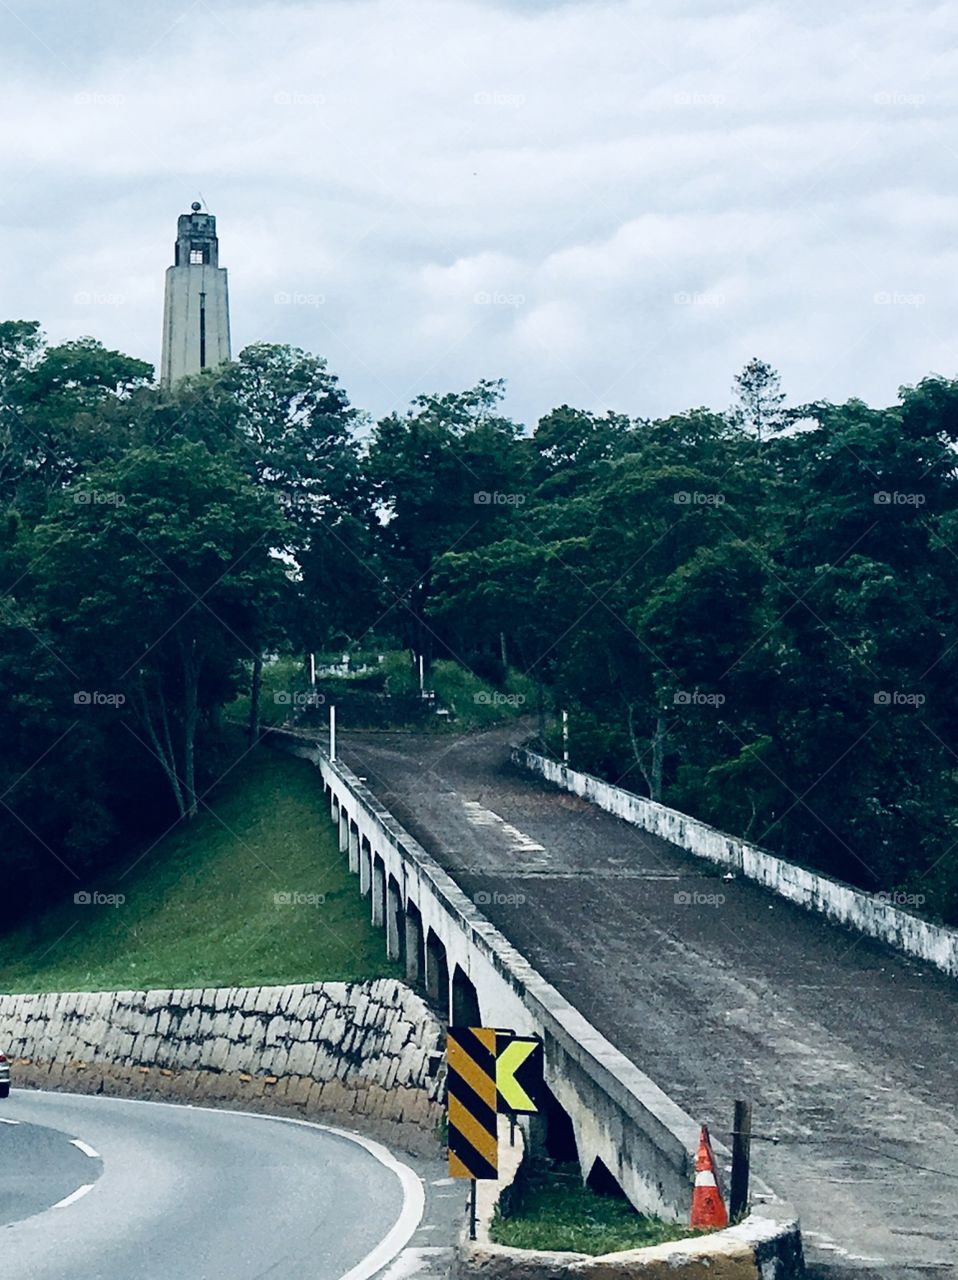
(414, 1194)
(4, 1121)
(410, 1215)
(519, 841)
(82, 1146)
(73, 1196)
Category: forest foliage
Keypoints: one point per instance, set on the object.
(750, 615)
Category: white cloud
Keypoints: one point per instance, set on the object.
(648, 193)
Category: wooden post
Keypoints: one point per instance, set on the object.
(254, 693)
(741, 1154)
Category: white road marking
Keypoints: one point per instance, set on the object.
(82, 1146)
(519, 841)
(73, 1196)
(414, 1195)
(3, 1121)
(828, 1244)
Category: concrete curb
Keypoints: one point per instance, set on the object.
(757, 1249)
(767, 1245)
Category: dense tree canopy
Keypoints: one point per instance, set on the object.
(751, 616)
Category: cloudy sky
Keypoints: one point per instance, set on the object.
(607, 204)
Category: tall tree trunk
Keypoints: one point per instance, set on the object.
(653, 772)
(191, 680)
(162, 746)
(658, 757)
(254, 694)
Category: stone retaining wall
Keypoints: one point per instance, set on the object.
(364, 1053)
(866, 912)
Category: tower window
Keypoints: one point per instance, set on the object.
(197, 257)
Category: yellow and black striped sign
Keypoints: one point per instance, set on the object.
(471, 1083)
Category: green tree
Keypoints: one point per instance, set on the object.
(157, 585)
(759, 399)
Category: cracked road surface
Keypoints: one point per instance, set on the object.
(717, 990)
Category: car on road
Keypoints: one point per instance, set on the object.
(4, 1076)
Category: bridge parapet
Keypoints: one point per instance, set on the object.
(871, 914)
(619, 1116)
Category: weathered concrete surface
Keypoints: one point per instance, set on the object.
(619, 1115)
(846, 1048)
(864, 912)
(766, 1246)
(362, 1052)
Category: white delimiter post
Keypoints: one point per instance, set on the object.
(196, 316)
(332, 732)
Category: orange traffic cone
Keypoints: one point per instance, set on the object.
(708, 1207)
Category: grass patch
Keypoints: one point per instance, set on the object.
(475, 703)
(199, 907)
(553, 1210)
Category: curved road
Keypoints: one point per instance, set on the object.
(175, 1192)
(717, 990)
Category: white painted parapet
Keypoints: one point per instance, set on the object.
(618, 1114)
(935, 944)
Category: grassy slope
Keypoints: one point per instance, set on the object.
(200, 907)
(557, 1212)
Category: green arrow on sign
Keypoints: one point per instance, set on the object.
(509, 1060)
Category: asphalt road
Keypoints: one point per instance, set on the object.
(184, 1193)
(718, 990)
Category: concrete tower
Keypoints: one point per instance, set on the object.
(196, 314)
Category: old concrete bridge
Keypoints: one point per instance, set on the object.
(516, 905)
